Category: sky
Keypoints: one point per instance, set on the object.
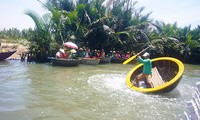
(184, 12)
(12, 13)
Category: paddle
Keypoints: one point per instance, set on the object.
(133, 57)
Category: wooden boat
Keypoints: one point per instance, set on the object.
(105, 60)
(90, 61)
(64, 62)
(7, 54)
(166, 74)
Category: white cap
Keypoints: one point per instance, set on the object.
(146, 54)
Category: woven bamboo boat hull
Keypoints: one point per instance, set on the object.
(170, 72)
(90, 61)
(65, 62)
(105, 60)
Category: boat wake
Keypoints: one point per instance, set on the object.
(115, 83)
(108, 82)
(111, 84)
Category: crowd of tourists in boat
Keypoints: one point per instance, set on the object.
(68, 53)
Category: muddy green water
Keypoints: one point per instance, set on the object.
(45, 92)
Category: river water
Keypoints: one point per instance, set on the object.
(44, 92)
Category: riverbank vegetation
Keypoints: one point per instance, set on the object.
(108, 25)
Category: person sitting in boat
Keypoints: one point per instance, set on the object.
(103, 54)
(123, 55)
(147, 70)
(117, 55)
(98, 53)
(72, 54)
(87, 53)
(110, 54)
(63, 53)
(127, 55)
(113, 54)
(80, 53)
(92, 54)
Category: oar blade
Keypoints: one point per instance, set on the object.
(129, 60)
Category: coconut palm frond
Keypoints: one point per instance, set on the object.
(36, 18)
(123, 32)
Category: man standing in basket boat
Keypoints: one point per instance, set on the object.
(147, 70)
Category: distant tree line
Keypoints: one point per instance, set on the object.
(101, 24)
(15, 35)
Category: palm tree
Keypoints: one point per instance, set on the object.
(129, 24)
(115, 25)
(171, 40)
(40, 41)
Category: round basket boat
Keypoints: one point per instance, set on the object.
(64, 62)
(166, 74)
(90, 61)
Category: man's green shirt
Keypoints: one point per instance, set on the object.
(147, 65)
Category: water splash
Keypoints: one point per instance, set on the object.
(108, 82)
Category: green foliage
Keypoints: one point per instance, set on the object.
(12, 33)
(118, 25)
(40, 43)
